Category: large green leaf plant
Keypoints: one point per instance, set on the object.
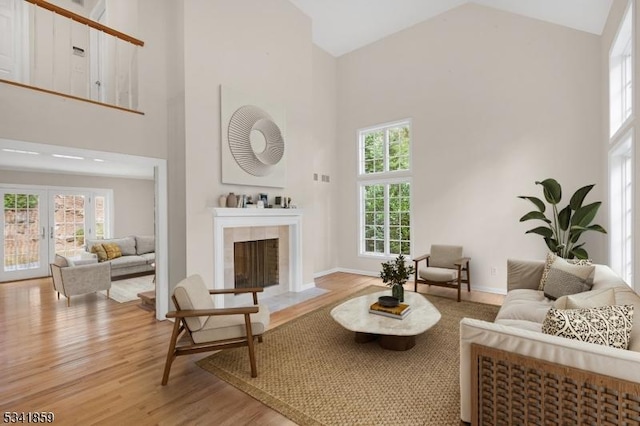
(565, 227)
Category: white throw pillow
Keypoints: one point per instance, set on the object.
(587, 299)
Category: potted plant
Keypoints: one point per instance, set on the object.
(394, 274)
(562, 232)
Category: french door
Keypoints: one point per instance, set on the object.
(24, 248)
(38, 224)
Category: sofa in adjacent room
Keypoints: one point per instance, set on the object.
(511, 371)
(128, 256)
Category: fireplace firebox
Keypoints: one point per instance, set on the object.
(256, 263)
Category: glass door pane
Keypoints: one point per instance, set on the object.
(68, 223)
(100, 217)
(24, 249)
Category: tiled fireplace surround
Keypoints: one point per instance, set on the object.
(232, 225)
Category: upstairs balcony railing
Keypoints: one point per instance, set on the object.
(46, 47)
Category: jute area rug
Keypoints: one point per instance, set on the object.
(312, 371)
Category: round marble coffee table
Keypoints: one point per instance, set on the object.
(391, 333)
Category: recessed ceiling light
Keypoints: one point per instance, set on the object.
(19, 151)
(71, 157)
(99, 160)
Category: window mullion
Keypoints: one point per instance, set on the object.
(387, 248)
(386, 150)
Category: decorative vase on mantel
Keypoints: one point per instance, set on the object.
(232, 200)
(397, 291)
(222, 201)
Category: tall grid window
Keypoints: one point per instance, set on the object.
(621, 162)
(621, 196)
(621, 74)
(385, 189)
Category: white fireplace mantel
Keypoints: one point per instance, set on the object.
(254, 212)
(243, 217)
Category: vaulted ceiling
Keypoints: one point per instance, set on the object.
(340, 26)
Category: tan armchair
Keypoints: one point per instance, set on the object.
(204, 327)
(72, 280)
(445, 267)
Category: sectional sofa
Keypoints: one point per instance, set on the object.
(513, 373)
(137, 254)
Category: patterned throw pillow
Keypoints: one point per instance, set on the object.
(113, 250)
(99, 251)
(607, 325)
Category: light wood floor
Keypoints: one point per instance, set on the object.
(101, 362)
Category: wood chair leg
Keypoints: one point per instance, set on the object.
(468, 278)
(260, 338)
(68, 301)
(108, 290)
(171, 353)
(459, 281)
(252, 355)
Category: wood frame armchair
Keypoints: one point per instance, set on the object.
(236, 330)
(445, 267)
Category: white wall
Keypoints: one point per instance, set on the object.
(262, 48)
(176, 139)
(498, 101)
(133, 198)
(325, 213)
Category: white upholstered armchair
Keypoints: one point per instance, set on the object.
(72, 280)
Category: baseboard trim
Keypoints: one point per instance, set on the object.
(327, 272)
(358, 272)
(486, 289)
(307, 286)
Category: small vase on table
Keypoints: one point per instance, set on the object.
(397, 291)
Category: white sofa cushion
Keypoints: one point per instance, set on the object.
(524, 304)
(145, 244)
(127, 261)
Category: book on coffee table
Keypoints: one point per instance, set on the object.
(398, 312)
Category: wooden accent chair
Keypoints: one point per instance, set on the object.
(202, 327)
(71, 280)
(445, 267)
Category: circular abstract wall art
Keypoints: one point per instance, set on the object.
(257, 162)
